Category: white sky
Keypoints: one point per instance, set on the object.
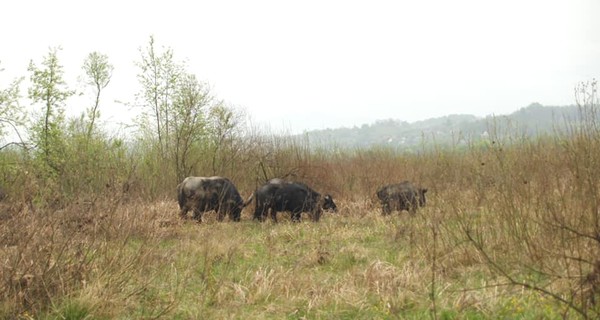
(302, 65)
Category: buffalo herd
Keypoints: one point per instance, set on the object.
(202, 194)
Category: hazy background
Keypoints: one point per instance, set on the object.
(306, 65)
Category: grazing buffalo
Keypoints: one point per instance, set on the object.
(401, 196)
(202, 194)
(279, 195)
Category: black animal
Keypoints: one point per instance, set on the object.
(267, 193)
(279, 195)
(202, 194)
(401, 196)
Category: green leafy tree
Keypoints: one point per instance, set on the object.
(182, 122)
(223, 123)
(191, 101)
(11, 114)
(85, 144)
(98, 72)
(11, 118)
(158, 76)
(177, 112)
(49, 89)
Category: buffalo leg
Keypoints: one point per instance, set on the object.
(412, 210)
(296, 216)
(257, 214)
(236, 215)
(260, 212)
(316, 216)
(411, 206)
(220, 214)
(385, 208)
(198, 215)
(183, 212)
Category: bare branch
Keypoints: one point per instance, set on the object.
(524, 285)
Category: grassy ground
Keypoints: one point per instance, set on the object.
(144, 262)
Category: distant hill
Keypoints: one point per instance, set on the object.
(454, 129)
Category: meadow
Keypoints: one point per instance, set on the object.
(90, 227)
(510, 231)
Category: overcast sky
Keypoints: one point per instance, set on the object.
(303, 65)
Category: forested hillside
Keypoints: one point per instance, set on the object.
(450, 130)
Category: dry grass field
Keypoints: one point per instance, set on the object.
(510, 231)
(90, 227)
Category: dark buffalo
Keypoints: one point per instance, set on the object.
(401, 196)
(202, 194)
(267, 192)
(280, 195)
